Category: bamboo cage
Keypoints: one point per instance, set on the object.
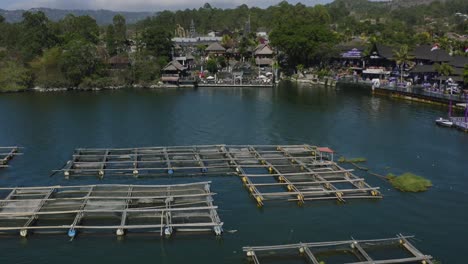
(123, 208)
(270, 172)
(376, 251)
(6, 154)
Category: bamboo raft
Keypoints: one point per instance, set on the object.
(123, 208)
(6, 154)
(376, 251)
(292, 172)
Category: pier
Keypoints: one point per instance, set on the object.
(376, 251)
(460, 123)
(269, 172)
(119, 208)
(6, 154)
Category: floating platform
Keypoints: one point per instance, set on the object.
(142, 208)
(377, 251)
(279, 172)
(460, 123)
(6, 154)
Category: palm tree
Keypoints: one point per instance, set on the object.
(402, 57)
(444, 70)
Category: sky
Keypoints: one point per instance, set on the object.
(141, 5)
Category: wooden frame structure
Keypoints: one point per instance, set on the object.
(283, 172)
(163, 208)
(6, 154)
(376, 251)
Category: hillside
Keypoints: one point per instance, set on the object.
(102, 17)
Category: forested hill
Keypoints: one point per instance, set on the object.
(102, 17)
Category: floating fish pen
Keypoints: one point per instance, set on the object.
(6, 154)
(121, 208)
(280, 172)
(377, 251)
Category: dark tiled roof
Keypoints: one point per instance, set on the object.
(384, 51)
(423, 52)
(459, 61)
(423, 69)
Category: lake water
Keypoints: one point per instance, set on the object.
(395, 136)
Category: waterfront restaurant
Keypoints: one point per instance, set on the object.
(172, 72)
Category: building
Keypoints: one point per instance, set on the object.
(119, 62)
(263, 55)
(172, 72)
(215, 49)
(428, 55)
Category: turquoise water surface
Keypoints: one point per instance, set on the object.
(395, 136)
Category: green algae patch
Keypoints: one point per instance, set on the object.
(353, 160)
(409, 182)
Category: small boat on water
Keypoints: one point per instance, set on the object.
(444, 122)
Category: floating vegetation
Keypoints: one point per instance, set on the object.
(353, 160)
(409, 182)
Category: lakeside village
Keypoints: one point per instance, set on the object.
(427, 68)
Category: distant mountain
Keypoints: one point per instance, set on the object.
(102, 17)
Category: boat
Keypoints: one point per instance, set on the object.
(444, 122)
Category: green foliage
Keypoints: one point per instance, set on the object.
(46, 69)
(402, 57)
(110, 40)
(81, 27)
(120, 30)
(212, 65)
(13, 77)
(444, 69)
(409, 182)
(301, 34)
(352, 160)
(221, 61)
(300, 68)
(79, 60)
(146, 70)
(35, 35)
(158, 41)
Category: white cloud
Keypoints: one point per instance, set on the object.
(143, 5)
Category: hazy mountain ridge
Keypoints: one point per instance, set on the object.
(102, 16)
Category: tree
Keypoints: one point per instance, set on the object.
(13, 76)
(35, 35)
(212, 66)
(443, 69)
(110, 40)
(2, 19)
(46, 69)
(402, 58)
(145, 70)
(158, 41)
(120, 30)
(300, 69)
(227, 42)
(79, 27)
(79, 60)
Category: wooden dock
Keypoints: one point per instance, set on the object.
(143, 208)
(270, 172)
(376, 251)
(6, 154)
(460, 123)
